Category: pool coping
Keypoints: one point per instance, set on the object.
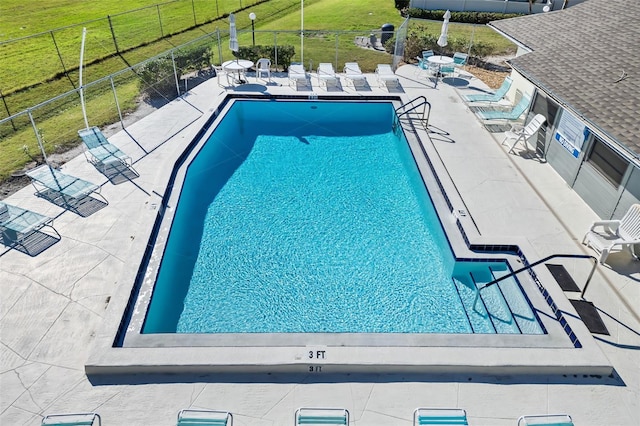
(550, 353)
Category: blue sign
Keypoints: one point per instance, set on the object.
(571, 133)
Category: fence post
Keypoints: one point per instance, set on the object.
(64, 68)
(40, 143)
(160, 20)
(275, 48)
(6, 107)
(113, 34)
(337, 46)
(219, 45)
(175, 72)
(115, 96)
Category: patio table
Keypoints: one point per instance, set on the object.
(439, 60)
(239, 66)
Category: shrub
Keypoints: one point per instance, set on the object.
(157, 79)
(193, 59)
(253, 53)
(402, 4)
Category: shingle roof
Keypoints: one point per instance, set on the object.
(579, 56)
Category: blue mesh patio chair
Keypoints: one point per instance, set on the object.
(77, 419)
(490, 97)
(17, 224)
(321, 416)
(439, 416)
(545, 420)
(100, 152)
(47, 179)
(512, 114)
(191, 417)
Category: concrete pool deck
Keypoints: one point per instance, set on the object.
(54, 303)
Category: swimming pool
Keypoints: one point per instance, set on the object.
(312, 217)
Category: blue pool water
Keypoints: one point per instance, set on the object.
(308, 217)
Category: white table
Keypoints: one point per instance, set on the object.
(239, 66)
(439, 60)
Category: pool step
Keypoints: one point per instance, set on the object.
(473, 306)
(495, 302)
(517, 303)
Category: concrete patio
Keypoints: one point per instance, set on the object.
(54, 303)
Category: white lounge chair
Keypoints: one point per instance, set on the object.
(354, 74)
(522, 134)
(263, 67)
(297, 74)
(321, 416)
(616, 235)
(327, 75)
(79, 419)
(545, 419)
(191, 417)
(385, 75)
(439, 416)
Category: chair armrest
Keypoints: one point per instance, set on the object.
(517, 128)
(611, 224)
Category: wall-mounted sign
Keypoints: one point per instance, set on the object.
(571, 133)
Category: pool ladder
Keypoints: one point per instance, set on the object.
(412, 107)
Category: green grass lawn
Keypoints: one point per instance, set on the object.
(33, 62)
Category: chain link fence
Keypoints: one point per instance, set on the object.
(126, 96)
(55, 53)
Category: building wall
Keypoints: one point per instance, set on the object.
(608, 200)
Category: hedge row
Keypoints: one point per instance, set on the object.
(463, 17)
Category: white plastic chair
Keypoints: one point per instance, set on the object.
(222, 73)
(522, 134)
(616, 235)
(263, 67)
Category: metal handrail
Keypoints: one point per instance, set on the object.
(424, 104)
(569, 256)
